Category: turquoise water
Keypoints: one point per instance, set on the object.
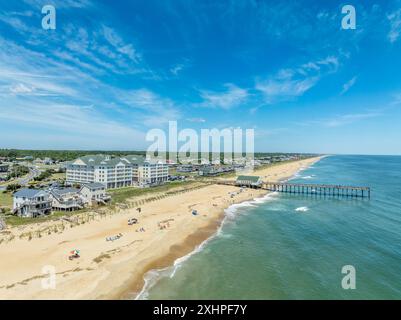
(294, 246)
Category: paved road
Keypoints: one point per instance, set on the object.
(33, 172)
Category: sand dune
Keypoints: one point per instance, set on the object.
(115, 269)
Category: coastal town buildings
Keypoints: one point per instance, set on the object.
(111, 172)
(186, 168)
(46, 161)
(37, 202)
(147, 172)
(66, 199)
(31, 203)
(212, 170)
(248, 181)
(116, 172)
(4, 167)
(94, 193)
(152, 173)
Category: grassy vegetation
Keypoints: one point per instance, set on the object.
(44, 175)
(62, 155)
(120, 195)
(174, 172)
(57, 176)
(14, 220)
(6, 199)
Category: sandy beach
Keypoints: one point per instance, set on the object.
(166, 230)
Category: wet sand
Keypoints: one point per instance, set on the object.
(115, 269)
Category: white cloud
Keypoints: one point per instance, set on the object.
(395, 25)
(278, 89)
(197, 120)
(16, 23)
(60, 3)
(176, 69)
(349, 118)
(66, 120)
(263, 133)
(342, 120)
(228, 99)
(348, 85)
(288, 83)
(21, 88)
(154, 109)
(117, 42)
(396, 100)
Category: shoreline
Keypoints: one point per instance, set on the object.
(214, 233)
(117, 270)
(214, 230)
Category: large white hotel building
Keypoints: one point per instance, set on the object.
(117, 172)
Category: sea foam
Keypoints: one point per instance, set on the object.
(152, 276)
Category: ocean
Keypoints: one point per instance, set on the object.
(287, 246)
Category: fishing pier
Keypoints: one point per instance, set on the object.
(299, 188)
(317, 189)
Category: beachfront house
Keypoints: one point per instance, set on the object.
(147, 172)
(186, 168)
(110, 172)
(31, 203)
(94, 192)
(116, 172)
(209, 170)
(66, 199)
(3, 167)
(249, 181)
(152, 172)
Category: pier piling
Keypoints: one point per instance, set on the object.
(318, 189)
(310, 189)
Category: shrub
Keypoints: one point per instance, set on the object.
(13, 187)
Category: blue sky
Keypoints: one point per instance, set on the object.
(112, 70)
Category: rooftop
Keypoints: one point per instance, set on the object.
(64, 191)
(93, 185)
(107, 160)
(29, 193)
(248, 178)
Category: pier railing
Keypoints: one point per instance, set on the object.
(303, 188)
(317, 189)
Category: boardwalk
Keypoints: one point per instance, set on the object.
(311, 189)
(317, 189)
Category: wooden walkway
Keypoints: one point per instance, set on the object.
(317, 189)
(310, 189)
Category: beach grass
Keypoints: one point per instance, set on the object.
(14, 220)
(57, 176)
(122, 194)
(6, 199)
(118, 196)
